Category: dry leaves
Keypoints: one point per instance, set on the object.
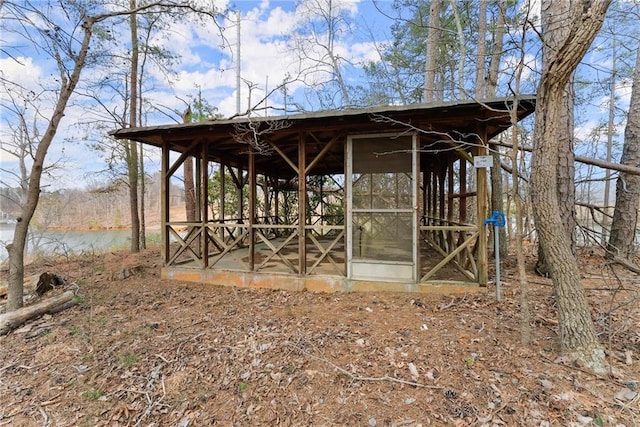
(141, 351)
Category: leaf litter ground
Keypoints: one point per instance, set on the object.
(142, 351)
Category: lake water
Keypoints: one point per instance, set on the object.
(66, 242)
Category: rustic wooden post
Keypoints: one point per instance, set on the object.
(222, 198)
(240, 185)
(252, 208)
(482, 206)
(276, 201)
(164, 203)
(302, 205)
(450, 197)
(425, 189)
(204, 206)
(463, 190)
(416, 210)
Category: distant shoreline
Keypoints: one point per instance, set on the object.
(153, 228)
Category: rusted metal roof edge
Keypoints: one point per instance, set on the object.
(141, 132)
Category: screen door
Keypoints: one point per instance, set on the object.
(381, 210)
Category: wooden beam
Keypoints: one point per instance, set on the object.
(284, 156)
(320, 155)
(164, 203)
(482, 210)
(463, 191)
(302, 206)
(222, 194)
(252, 208)
(182, 157)
(204, 206)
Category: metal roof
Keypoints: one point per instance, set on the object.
(440, 125)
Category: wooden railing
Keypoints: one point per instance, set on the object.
(455, 243)
(275, 240)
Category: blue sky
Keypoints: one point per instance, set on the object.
(207, 62)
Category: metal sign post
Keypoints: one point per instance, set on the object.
(498, 220)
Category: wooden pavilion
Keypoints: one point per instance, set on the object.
(382, 198)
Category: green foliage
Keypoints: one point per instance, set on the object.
(127, 360)
(242, 386)
(93, 394)
(469, 361)
(231, 195)
(325, 203)
(76, 330)
(202, 110)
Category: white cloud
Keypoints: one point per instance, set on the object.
(22, 71)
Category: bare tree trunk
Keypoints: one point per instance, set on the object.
(525, 314)
(131, 147)
(610, 132)
(68, 83)
(497, 200)
(496, 52)
(335, 63)
(625, 215)
(462, 48)
(189, 185)
(433, 40)
(583, 21)
(481, 49)
(555, 14)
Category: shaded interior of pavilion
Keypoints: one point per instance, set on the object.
(381, 198)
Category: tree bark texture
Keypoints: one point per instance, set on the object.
(131, 146)
(68, 83)
(554, 17)
(433, 40)
(490, 89)
(189, 185)
(625, 214)
(582, 22)
(13, 319)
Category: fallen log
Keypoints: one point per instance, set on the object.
(16, 318)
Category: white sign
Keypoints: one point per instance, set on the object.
(483, 161)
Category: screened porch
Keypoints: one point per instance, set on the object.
(377, 199)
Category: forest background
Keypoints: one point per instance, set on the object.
(283, 57)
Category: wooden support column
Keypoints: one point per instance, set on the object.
(222, 191)
(434, 195)
(268, 194)
(198, 182)
(276, 201)
(416, 211)
(425, 192)
(463, 190)
(450, 191)
(240, 185)
(442, 176)
(482, 206)
(302, 205)
(204, 206)
(252, 208)
(428, 190)
(164, 203)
